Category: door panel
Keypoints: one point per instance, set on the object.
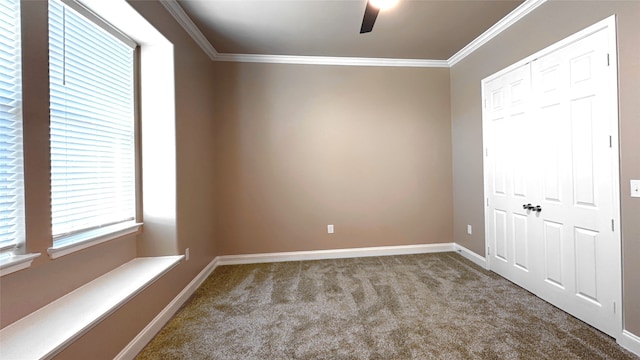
(553, 256)
(583, 152)
(551, 154)
(586, 280)
(520, 238)
(500, 239)
(520, 153)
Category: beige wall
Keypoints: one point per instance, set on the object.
(551, 22)
(26, 290)
(302, 146)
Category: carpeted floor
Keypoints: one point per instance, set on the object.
(431, 306)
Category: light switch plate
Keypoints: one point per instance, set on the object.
(635, 188)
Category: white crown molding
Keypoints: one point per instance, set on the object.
(188, 25)
(518, 13)
(329, 60)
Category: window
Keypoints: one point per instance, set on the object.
(92, 83)
(11, 164)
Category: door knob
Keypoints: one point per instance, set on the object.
(537, 208)
(527, 206)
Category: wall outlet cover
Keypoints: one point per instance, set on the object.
(330, 229)
(635, 188)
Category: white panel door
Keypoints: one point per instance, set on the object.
(581, 251)
(550, 126)
(509, 125)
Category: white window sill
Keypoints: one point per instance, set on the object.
(47, 331)
(77, 242)
(13, 263)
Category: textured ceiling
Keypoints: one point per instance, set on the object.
(414, 29)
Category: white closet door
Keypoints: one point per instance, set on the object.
(509, 125)
(549, 126)
(580, 251)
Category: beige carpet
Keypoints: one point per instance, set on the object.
(431, 306)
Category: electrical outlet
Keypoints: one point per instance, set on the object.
(635, 188)
(330, 229)
(186, 254)
(469, 230)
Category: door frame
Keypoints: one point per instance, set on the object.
(608, 25)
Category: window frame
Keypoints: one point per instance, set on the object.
(69, 243)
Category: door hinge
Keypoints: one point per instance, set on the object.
(487, 201)
(488, 250)
(612, 226)
(486, 151)
(614, 307)
(608, 59)
(485, 102)
(610, 141)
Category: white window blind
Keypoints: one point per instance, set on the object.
(11, 165)
(92, 125)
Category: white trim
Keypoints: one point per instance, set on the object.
(329, 60)
(334, 254)
(190, 27)
(47, 331)
(518, 13)
(88, 14)
(609, 25)
(125, 230)
(471, 256)
(142, 339)
(630, 342)
(14, 263)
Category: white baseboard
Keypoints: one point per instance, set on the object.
(334, 254)
(470, 255)
(142, 339)
(630, 342)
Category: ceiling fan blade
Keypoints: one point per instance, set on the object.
(370, 15)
